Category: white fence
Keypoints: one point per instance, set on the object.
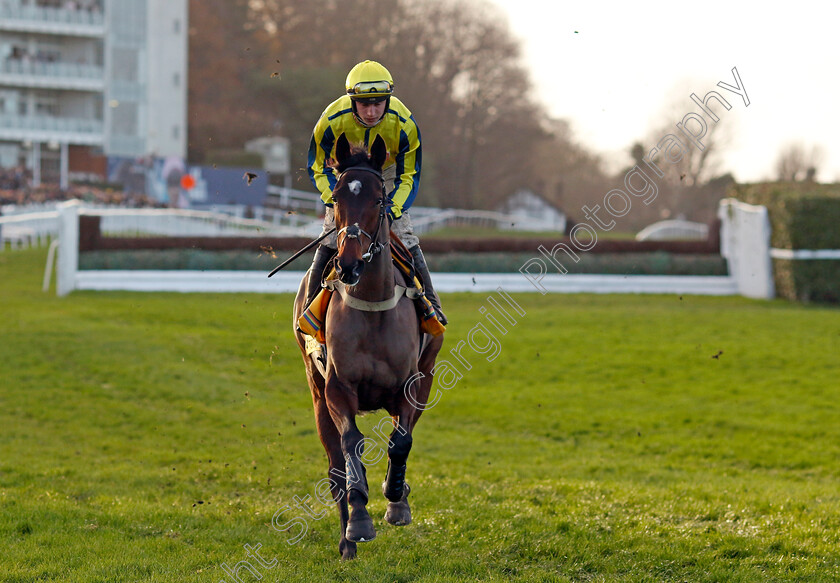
(25, 229)
(70, 278)
(424, 220)
(288, 282)
(37, 225)
(745, 243)
(277, 217)
(185, 223)
(290, 198)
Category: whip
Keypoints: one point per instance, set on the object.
(301, 252)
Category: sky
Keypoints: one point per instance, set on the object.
(619, 70)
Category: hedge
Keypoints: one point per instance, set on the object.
(470, 255)
(91, 239)
(658, 263)
(803, 215)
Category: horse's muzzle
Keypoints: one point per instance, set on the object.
(349, 272)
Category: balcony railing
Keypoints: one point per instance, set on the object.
(13, 14)
(51, 124)
(37, 68)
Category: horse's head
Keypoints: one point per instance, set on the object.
(360, 206)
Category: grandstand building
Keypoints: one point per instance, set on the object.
(85, 80)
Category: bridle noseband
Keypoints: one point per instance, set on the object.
(353, 231)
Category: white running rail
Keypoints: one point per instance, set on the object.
(180, 223)
(25, 230)
(20, 229)
(428, 219)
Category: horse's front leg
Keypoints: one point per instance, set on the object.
(343, 406)
(395, 487)
(415, 395)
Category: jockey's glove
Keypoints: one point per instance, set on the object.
(394, 212)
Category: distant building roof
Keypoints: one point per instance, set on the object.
(537, 213)
(275, 153)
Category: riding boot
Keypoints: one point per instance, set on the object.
(423, 271)
(316, 273)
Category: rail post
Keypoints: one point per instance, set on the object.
(68, 249)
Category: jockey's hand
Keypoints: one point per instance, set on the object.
(394, 212)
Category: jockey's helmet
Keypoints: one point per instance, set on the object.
(369, 82)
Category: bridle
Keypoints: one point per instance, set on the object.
(353, 231)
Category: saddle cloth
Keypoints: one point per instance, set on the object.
(311, 322)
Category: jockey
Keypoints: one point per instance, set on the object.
(367, 110)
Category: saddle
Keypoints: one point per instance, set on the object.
(311, 322)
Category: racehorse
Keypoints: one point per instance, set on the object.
(373, 348)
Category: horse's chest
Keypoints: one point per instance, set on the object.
(369, 356)
(370, 370)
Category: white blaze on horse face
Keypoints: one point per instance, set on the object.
(355, 187)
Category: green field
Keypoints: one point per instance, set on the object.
(149, 437)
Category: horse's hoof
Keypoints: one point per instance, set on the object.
(361, 530)
(398, 513)
(347, 550)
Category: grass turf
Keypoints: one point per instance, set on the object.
(614, 438)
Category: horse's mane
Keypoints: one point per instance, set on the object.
(358, 157)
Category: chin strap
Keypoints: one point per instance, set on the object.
(367, 125)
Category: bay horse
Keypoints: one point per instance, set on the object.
(373, 348)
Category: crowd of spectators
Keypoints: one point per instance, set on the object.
(16, 188)
(14, 178)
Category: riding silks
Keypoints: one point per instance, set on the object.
(313, 318)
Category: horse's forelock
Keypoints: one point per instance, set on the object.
(358, 157)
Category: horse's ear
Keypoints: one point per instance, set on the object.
(342, 148)
(378, 152)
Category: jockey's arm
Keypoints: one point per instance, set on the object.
(408, 161)
(321, 143)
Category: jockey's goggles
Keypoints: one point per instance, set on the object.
(371, 89)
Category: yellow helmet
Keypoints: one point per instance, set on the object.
(369, 81)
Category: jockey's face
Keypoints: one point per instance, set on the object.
(370, 113)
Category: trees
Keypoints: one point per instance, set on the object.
(565, 173)
(221, 38)
(456, 65)
(796, 163)
(697, 166)
(467, 88)
(692, 186)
